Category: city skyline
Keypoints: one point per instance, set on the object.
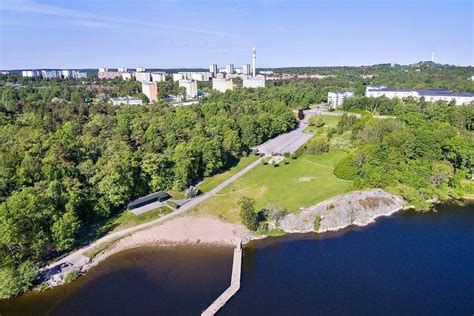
(180, 34)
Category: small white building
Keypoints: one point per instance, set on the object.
(336, 98)
(222, 85)
(254, 82)
(158, 76)
(143, 76)
(126, 101)
(140, 69)
(122, 69)
(102, 69)
(190, 86)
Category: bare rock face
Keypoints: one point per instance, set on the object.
(354, 208)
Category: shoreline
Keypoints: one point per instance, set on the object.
(195, 231)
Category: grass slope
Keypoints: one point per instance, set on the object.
(304, 182)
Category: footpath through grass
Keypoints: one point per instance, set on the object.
(210, 182)
(302, 183)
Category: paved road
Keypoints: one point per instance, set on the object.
(288, 142)
(77, 259)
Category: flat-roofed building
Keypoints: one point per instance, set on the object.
(140, 69)
(30, 73)
(430, 95)
(190, 86)
(122, 69)
(126, 76)
(158, 76)
(253, 82)
(222, 85)
(336, 98)
(126, 101)
(143, 76)
(246, 69)
(213, 69)
(178, 76)
(65, 74)
(229, 68)
(150, 90)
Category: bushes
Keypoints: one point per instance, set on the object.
(71, 276)
(316, 121)
(317, 145)
(317, 223)
(248, 216)
(345, 169)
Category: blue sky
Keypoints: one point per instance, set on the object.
(167, 34)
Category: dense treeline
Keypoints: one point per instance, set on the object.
(421, 155)
(66, 163)
(422, 75)
(460, 116)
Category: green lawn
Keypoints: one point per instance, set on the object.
(210, 182)
(304, 182)
(329, 121)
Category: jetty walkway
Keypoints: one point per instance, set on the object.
(234, 284)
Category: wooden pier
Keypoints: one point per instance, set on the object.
(234, 284)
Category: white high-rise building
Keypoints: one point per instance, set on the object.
(65, 74)
(190, 86)
(229, 68)
(122, 69)
(140, 69)
(143, 76)
(78, 74)
(30, 73)
(178, 76)
(150, 90)
(126, 76)
(213, 69)
(158, 76)
(102, 69)
(246, 69)
(222, 85)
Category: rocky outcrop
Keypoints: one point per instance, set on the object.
(355, 208)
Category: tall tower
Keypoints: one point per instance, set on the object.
(254, 60)
(432, 56)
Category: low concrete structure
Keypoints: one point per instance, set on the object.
(254, 82)
(126, 101)
(234, 283)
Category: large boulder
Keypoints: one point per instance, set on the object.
(354, 208)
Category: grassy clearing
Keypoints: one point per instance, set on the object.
(210, 182)
(128, 219)
(329, 121)
(91, 253)
(303, 182)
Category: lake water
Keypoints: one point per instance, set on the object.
(409, 263)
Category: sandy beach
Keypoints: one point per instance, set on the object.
(182, 230)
